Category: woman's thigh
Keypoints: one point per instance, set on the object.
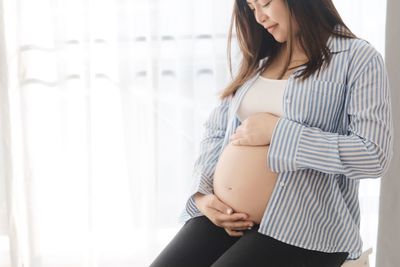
(198, 243)
(256, 249)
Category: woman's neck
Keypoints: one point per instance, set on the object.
(298, 54)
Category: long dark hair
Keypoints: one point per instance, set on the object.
(316, 20)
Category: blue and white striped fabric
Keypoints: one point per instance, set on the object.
(337, 129)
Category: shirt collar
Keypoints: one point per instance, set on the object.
(338, 44)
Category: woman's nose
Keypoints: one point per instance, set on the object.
(260, 16)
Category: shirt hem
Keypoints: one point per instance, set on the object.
(353, 255)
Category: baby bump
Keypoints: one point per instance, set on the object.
(243, 181)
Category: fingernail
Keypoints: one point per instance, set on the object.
(229, 211)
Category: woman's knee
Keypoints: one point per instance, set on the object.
(198, 243)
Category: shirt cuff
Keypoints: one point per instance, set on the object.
(282, 153)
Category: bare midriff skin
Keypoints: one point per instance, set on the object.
(242, 178)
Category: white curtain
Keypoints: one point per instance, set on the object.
(106, 104)
(102, 105)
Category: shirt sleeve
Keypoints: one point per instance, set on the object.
(366, 150)
(210, 145)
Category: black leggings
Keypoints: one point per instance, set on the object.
(200, 243)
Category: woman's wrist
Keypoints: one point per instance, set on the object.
(196, 197)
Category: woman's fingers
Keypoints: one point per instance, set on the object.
(233, 232)
(220, 206)
(237, 231)
(242, 225)
(236, 220)
(230, 221)
(241, 228)
(233, 222)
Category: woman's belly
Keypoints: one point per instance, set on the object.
(243, 181)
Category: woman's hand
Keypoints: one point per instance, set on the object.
(218, 213)
(256, 130)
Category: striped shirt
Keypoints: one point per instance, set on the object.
(336, 130)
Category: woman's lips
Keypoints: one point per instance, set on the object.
(270, 28)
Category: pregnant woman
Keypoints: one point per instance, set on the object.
(307, 116)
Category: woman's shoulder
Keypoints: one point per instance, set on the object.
(352, 45)
(361, 56)
(360, 53)
(362, 50)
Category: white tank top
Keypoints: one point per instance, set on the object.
(265, 95)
